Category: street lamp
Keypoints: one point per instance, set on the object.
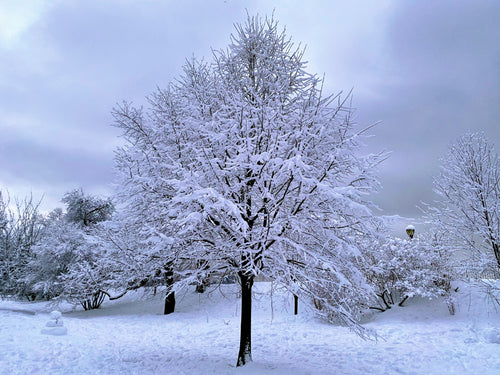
(410, 231)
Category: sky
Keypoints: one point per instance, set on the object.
(425, 71)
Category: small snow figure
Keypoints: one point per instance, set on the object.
(410, 231)
(55, 325)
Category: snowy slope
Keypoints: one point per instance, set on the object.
(130, 336)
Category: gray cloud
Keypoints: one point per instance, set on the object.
(442, 79)
(427, 70)
(42, 165)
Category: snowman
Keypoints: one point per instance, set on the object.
(55, 325)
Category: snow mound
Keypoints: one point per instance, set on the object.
(55, 325)
(492, 335)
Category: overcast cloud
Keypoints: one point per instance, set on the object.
(428, 71)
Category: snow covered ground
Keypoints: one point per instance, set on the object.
(131, 336)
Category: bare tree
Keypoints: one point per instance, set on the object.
(469, 185)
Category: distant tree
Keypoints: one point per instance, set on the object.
(469, 210)
(5, 247)
(54, 255)
(243, 167)
(20, 229)
(71, 260)
(91, 274)
(87, 209)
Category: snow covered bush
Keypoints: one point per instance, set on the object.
(90, 275)
(70, 260)
(404, 268)
(243, 166)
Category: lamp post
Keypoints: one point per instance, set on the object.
(410, 231)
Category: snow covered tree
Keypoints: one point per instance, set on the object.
(5, 251)
(242, 166)
(135, 268)
(469, 212)
(90, 274)
(54, 255)
(20, 229)
(86, 209)
(70, 259)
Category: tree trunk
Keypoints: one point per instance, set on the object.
(93, 302)
(496, 251)
(245, 354)
(202, 285)
(169, 303)
(204, 280)
(170, 298)
(296, 304)
(200, 288)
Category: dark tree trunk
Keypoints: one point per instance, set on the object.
(169, 303)
(402, 301)
(203, 281)
(170, 298)
(296, 304)
(200, 288)
(496, 251)
(245, 353)
(202, 285)
(94, 302)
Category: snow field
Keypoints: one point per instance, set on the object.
(131, 336)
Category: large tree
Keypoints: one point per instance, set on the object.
(242, 166)
(469, 211)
